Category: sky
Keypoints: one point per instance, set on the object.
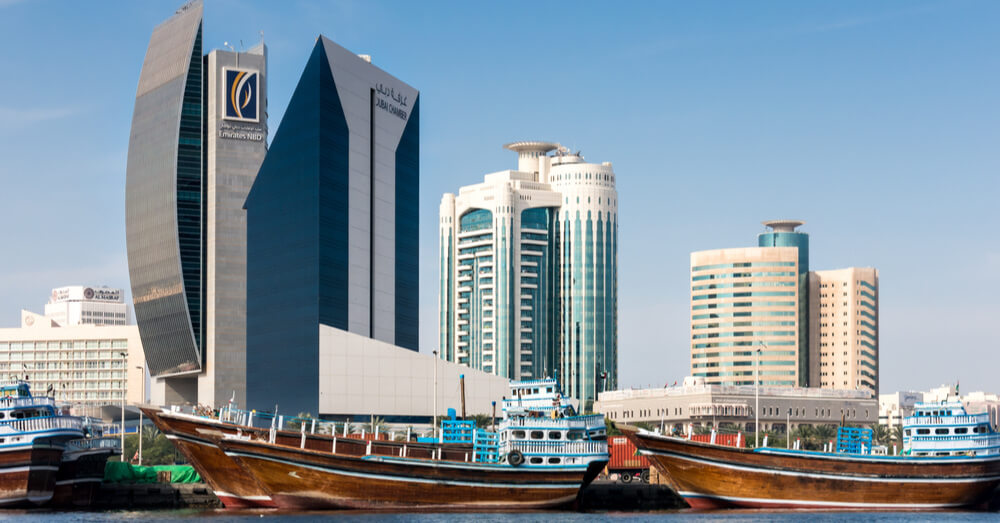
(877, 123)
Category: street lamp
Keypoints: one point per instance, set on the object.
(124, 384)
(434, 412)
(756, 394)
(142, 379)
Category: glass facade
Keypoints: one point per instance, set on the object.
(302, 263)
(535, 273)
(407, 233)
(800, 241)
(297, 244)
(164, 202)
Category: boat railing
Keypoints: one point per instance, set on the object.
(95, 443)
(573, 422)
(978, 440)
(967, 419)
(37, 401)
(551, 447)
(40, 424)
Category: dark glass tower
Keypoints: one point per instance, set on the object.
(332, 225)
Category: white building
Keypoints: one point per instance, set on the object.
(85, 366)
(80, 305)
(529, 271)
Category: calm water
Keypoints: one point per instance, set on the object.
(731, 515)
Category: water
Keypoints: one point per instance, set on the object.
(225, 516)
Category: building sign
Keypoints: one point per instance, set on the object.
(241, 89)
(392, 103)
(241, 132)
(77, 293)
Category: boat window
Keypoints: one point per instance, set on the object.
(574, 435)
(907, 432)
(943, 454)
(923, 431)
(548, 389)
(2, 415)
(518, 434)
(554, 434)
(962, 430)
(536, 461)
(940, 431)
(537, 434)
(554, 461)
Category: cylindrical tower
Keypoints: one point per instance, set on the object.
(587, 236)
(782, 233)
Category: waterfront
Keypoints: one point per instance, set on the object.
(218, 515)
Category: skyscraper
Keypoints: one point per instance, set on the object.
(843, 332)
(199, 134)
(742, 300)
(814, 328)
(529, 271)
(332, 229)
(782, 233)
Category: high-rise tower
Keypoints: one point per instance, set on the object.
(199, 134)
(332, 228)
(782, 233)
(529, 271)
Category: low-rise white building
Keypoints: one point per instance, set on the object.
(732, 407)
(82, 305)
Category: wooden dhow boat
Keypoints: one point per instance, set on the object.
(541, 457)
(196, 436)
(959, 469)
(33, 435)
(81, 470)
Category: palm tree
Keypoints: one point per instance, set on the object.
(807, 434)
(825, 433)
(880, 434)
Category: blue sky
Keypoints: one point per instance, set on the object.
(877, 123)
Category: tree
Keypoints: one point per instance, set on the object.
(897, 435)
(298, 420)
(483, 421)
(611, 429)
(156, 448)
(825, 434)
(880, 435)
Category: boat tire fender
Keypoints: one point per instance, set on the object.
(515, 458)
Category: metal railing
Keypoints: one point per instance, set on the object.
(575, 422)
(967, 419)
(94, 443)
(40, 424)
(38, 401)
(733, 389)
(555, 448)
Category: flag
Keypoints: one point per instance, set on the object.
(956, 387)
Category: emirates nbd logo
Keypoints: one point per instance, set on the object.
(241, 95)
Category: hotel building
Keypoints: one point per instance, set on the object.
(745, 300)
(80, 305)
(843, 330)
(332, 235)
(77, 361)
(529, 271)
(812, 328)
(199, 135)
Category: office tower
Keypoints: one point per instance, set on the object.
(529, 271)
(843, 332)
(199, 135)
(782, 233)
(744, 300)
(332, 232)
(81, 305)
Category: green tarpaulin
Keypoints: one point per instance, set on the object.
(117, 472)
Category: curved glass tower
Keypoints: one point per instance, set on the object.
(164, 196)
(782, 233)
